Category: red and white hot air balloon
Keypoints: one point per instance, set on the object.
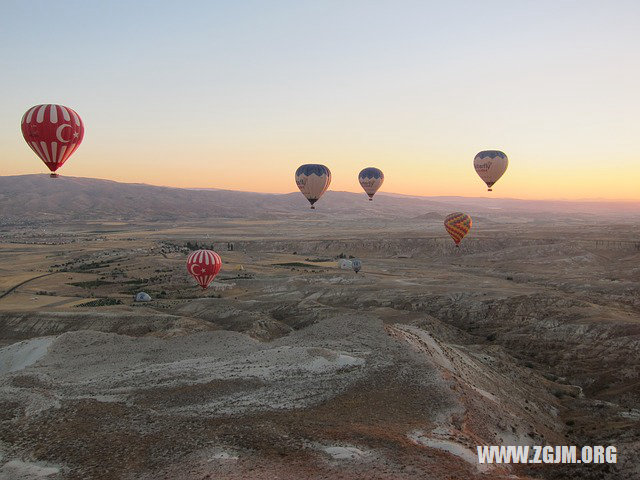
(53, 132)
(204, 265)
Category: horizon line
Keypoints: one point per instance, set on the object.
(564, 200)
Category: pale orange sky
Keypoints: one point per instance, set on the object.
(236, 100)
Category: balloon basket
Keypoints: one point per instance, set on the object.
(53, 175)
(312, 207)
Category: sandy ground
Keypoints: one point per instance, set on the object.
(293, 368)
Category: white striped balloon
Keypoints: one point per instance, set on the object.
(204, 265)
(53, 132)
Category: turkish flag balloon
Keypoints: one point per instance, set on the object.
(204, 265)
(53, 132)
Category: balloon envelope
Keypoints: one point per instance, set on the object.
(204, 265)
(345, 264)
(458, 225)
(356, 265)
(53, 132)
(313, 180)
(371, 179)
(490, 165)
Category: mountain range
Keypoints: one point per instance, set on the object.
(38, 197)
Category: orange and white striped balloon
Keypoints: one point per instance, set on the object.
(458, 225)
(53, 132)
(204, 265)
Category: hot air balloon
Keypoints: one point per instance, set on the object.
(490, 166)
(356, 265)
(458, 225)
(204, 265)
(313, 180)
(371, 179)
(53, 132)
(345, 264)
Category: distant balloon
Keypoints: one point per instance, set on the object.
(313, 180)
(345, 264)
(371, 179)
(204, 265)
(458, 225)
(490, 165)
(53, 132)
(356, 265)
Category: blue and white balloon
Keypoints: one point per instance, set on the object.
(371, 179)
(313, 180)
(490, 165)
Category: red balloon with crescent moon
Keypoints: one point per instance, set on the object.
(204, 265)
(53, 132)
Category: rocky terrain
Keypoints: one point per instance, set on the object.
(288, 367)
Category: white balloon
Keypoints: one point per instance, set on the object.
(490, 165)
(371, 179)
(313, 180)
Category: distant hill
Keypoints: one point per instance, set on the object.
(38, 197)
(435, 217)
(430, 217)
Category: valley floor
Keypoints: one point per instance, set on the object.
(288, 367)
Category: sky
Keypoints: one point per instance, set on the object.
(238, 94)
